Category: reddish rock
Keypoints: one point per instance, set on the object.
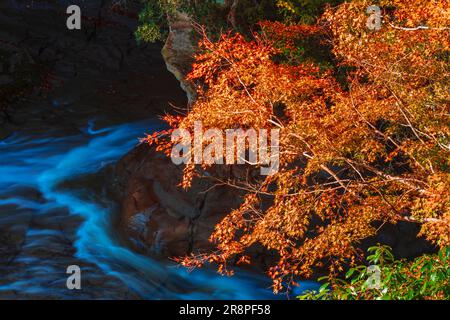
(161, 218)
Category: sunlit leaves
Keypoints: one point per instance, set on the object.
(372, 147)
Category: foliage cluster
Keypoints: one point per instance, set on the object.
(241, 15)
(365, 139)
(427, 277)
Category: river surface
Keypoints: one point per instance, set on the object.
(45, 227)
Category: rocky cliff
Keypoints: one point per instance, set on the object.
(179, 50)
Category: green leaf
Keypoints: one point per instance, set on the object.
(350, 273)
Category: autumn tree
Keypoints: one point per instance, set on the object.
(365, 138)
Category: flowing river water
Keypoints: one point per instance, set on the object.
(46, 227)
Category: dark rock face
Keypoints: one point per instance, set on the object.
(158, 216)
(72, 76)
(403, 239)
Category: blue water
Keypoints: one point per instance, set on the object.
(41, 163)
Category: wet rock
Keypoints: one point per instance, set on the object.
(157, 215)
(5, 128)
(9, 246)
